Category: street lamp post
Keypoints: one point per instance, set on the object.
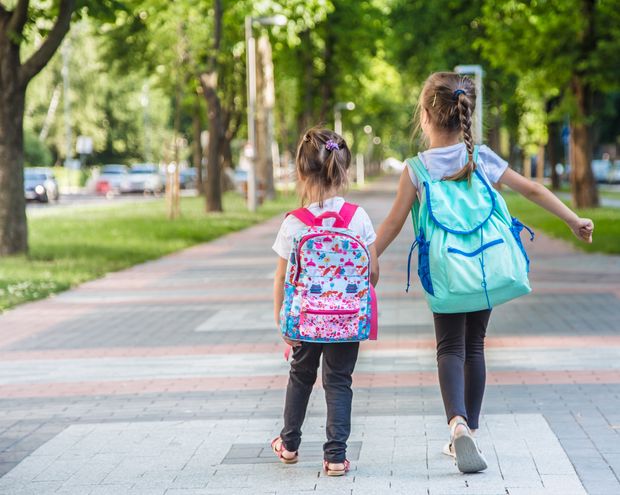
(250, 49)
(338, 108)
(477, 71)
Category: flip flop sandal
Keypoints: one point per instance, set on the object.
(336, 472)
(469, 458)
(277, 445)
(448, 449)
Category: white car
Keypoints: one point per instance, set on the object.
(614, 173)
(40, 185)
(392, 165)
(145, 178)
(601, 170)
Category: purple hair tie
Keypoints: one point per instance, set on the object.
(331, 145)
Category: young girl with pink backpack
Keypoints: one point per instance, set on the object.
(323, 294)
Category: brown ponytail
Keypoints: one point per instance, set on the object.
(323, 160)
(449, 100)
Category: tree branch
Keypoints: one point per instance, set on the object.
(19, 17)
(42, 56)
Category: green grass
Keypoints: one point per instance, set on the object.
(602, 191)
(606, 237)
(69, 246)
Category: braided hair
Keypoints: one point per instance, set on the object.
(449, 100)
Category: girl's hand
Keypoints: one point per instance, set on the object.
(292, 343)
(583, 228)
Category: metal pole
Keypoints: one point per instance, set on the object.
(479, 105)
(338, 122)
(250, 49)
(67, 104)
(144, 100)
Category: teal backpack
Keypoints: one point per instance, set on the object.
(470, 255)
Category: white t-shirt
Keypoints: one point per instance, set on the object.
(443, 162)
(360, 224)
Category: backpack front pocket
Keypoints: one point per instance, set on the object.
(329, 320)
(466, 270)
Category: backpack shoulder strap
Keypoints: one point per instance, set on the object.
(304, 215)
(419, 169)
(422, 174)
(347, 212)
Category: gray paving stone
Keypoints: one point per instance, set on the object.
(388, 461)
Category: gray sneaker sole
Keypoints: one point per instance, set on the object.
(468, 458)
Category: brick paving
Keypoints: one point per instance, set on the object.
(120, 385)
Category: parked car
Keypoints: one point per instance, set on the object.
(614, 173)
(392, 165)
(188, 178)
(40, 185)
(145, 178)
(240, 179)
(601, 170)
(111, 179)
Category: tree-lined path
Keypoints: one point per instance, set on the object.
(169, 378)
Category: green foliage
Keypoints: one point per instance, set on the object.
(73, 245)
(36, 153)
(427, 37)
(548, 43)
(103, 104)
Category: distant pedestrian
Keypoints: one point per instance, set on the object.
(470, 255)
(323, 298)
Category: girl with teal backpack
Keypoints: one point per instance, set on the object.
(470, 253)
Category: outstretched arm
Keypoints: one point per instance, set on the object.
(393, 223)
(539, 194)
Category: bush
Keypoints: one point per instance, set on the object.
(36, 152)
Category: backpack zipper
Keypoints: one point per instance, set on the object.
(331, 311)
(310, 236)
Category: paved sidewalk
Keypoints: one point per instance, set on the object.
(168, 378)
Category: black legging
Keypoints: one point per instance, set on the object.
(338, 364)
(460, 360)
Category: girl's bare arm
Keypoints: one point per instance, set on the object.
(395, 220)
(539, 194)
(374, 264)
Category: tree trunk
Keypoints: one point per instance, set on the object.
(227, 163)
(494, 132)
(209, 84)
(264, 163)
(305, 118)
(213, 187)
(554, 151)
(328, 79)
(13, 225)
(197, 146)
(584, 190)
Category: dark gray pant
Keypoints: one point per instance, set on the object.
(338, 364)
(460, 360)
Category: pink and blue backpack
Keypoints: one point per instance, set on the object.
(328, 296)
